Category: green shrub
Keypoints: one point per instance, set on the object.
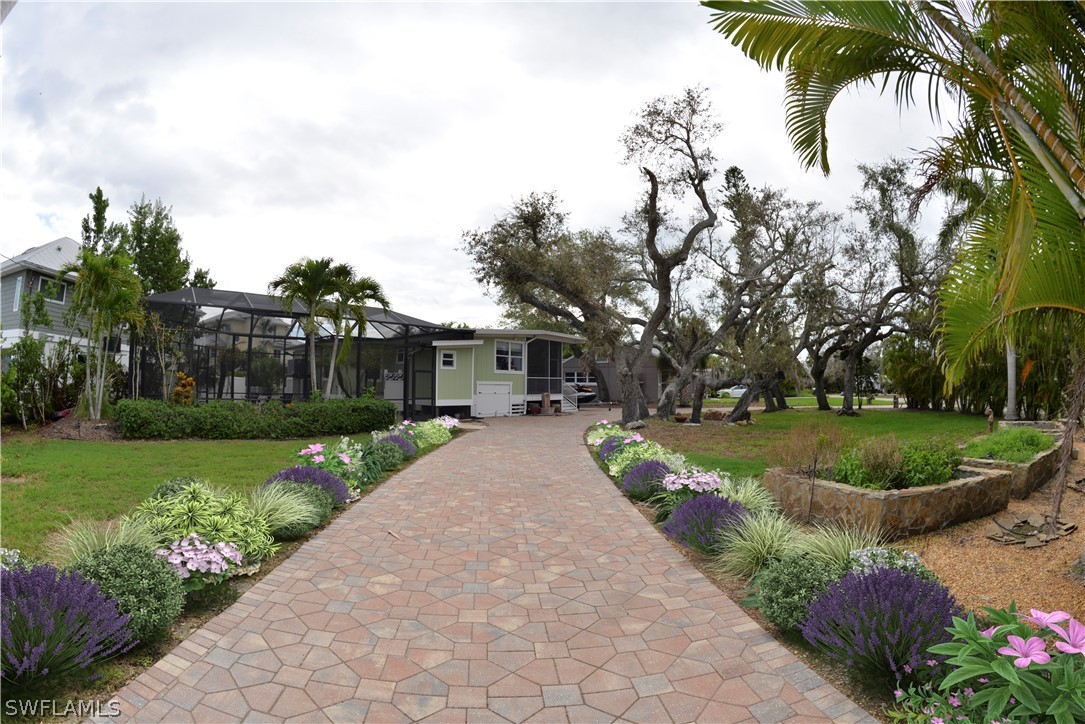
(882, 459)
(930, 462)
(316, 497)
(787, 586)
(748, 491)
(289, 512)
(1015, 445)
(81, 538)
(431, 434)
(753, 543)
(883, 463)
(173, 486)
(387, 454)
(220, 517)
(831, 545)
(143, 585)
(226, 420)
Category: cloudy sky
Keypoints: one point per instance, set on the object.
(375, 133)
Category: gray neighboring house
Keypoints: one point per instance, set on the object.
(33, 270)
(651, 381)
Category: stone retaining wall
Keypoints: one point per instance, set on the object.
(1025, 477)
(897, 513)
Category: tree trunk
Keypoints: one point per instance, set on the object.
(312, 363)
(698, 398)
(847, 409)
(817, 373)
(770, 400)
(633, 405)
(600, 380)
(331, 367)
(741, 409)
(1011, 381)
(1075, 406)
(778, 392)
(666, 406)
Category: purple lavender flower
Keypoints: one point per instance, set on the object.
(695, 522)
(312, 476)
(54, 622)
(881, 622)
(403, 444)
(645, 479)
(610, 446)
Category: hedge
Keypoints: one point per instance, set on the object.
(224, 420)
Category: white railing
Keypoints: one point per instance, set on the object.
(568, 398)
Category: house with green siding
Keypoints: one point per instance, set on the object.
(502, 372)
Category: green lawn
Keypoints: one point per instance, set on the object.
(743, 450)
(799, 401)
(46, 482)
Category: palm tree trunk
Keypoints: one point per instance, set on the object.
(331, 366)
(1075, 407)
(1011, 381)
(312, 362)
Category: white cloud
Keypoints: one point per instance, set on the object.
(374, 133)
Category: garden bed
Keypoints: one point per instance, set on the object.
(1028, 476)
(973, 494)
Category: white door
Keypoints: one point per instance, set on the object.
(493, 399)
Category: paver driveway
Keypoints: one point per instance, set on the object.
(502, 577)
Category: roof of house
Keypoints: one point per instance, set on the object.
(537, 333)
(48, 258)
(263, 304)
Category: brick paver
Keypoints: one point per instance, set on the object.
(500, 578)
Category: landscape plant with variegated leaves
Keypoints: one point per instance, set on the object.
(601, 431)
(1020, 668)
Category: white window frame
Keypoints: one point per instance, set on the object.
(510, 357)
(400, 356)
(18, 293)
(452, 357)
(46, 281)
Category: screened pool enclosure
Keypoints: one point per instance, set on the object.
(242, 346)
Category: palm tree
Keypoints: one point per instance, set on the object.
(346, 310)
(1018, 72)
(308, 282)
(106, 294)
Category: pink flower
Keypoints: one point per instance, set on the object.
(1072, 642)
(1027, 652)
(932, 662)
(1042, 619)
(937, 720)
(983, 679)
(898, 694)
(969, 692)
(989, 632)
(318, 458)
(316, 447)
(344, 458)
(953, 700)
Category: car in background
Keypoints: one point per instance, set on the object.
(736, 391)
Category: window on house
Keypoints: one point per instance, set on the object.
(53, 290)
(448, 360)
(509, 356)
(18, 293)
(399, 355)
(579, 378)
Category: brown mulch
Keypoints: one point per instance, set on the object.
(71, 428)
(981, 572)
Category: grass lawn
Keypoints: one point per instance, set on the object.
(742, 450)
(47, 482)
(800, 401)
